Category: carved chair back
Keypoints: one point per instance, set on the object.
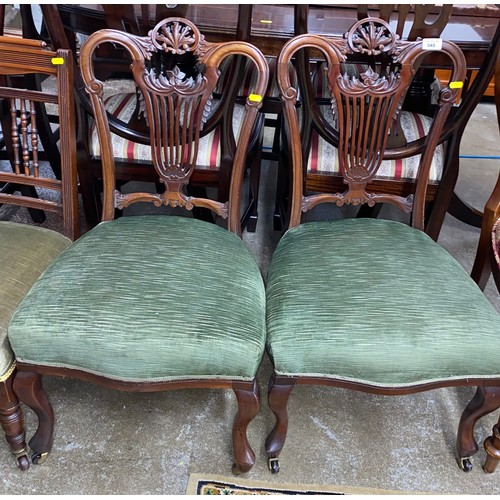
(175, 107)
(364, 108)
(63, 25)
(19, 107)
(319, 132)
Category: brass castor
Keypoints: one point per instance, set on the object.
(465, 464)
(23, 463)
(39, 458)
(235, 469)
(22, 459)
(274, 465)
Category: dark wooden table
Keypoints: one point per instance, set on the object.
(471, 27)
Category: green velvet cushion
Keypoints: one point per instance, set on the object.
(25, 252)
(148, 298)
(379, 302)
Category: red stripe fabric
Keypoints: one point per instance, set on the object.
(398, 170)
(314, 151)
(214, 149)
(419, 124)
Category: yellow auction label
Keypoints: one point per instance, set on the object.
(456, 85)
(255, 97)
(57, 61)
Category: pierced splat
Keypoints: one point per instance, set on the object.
(175, 106)
(366, 111)
(365, 108)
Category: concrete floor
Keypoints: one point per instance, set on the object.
(108, 442)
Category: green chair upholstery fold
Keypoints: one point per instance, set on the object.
(377, 302)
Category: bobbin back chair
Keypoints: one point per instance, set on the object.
(407, 135)
(153, 302)
(27, 250)
(370, 304)
(130, 137)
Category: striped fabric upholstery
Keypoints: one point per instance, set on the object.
(122, 107)
(323, 156)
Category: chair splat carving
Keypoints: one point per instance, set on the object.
(367, 106)
(174, 104)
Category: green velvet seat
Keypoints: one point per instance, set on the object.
(25, 252)
(377, 302)
(147, 299)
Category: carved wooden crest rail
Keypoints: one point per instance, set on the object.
(364, 108)
(175, 105)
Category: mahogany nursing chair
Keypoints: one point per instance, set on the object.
(369, 304)
(130, 137)
(407, 135)
(27, 250)
(154, 302)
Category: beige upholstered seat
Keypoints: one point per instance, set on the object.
(26, 251)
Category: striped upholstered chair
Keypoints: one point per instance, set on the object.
(154, 302)
(369, 304)
(27, 250)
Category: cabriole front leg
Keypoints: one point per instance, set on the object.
(28, 387)
(486, 400)
(278, 394)
(248, 397)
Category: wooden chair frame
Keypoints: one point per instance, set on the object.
(359, 162)
(440, 196)
(171, 152)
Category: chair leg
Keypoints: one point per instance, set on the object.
(251, 215)
(12, 422)
(28, 387)
(486, 400)
(492, 447)
(282, 193)
(277, 397)
(248, 397)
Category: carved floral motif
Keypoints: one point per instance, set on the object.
(174, 81)
(371, 37)
(369, 81)
(176, 37)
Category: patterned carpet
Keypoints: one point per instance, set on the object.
(200, 484)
